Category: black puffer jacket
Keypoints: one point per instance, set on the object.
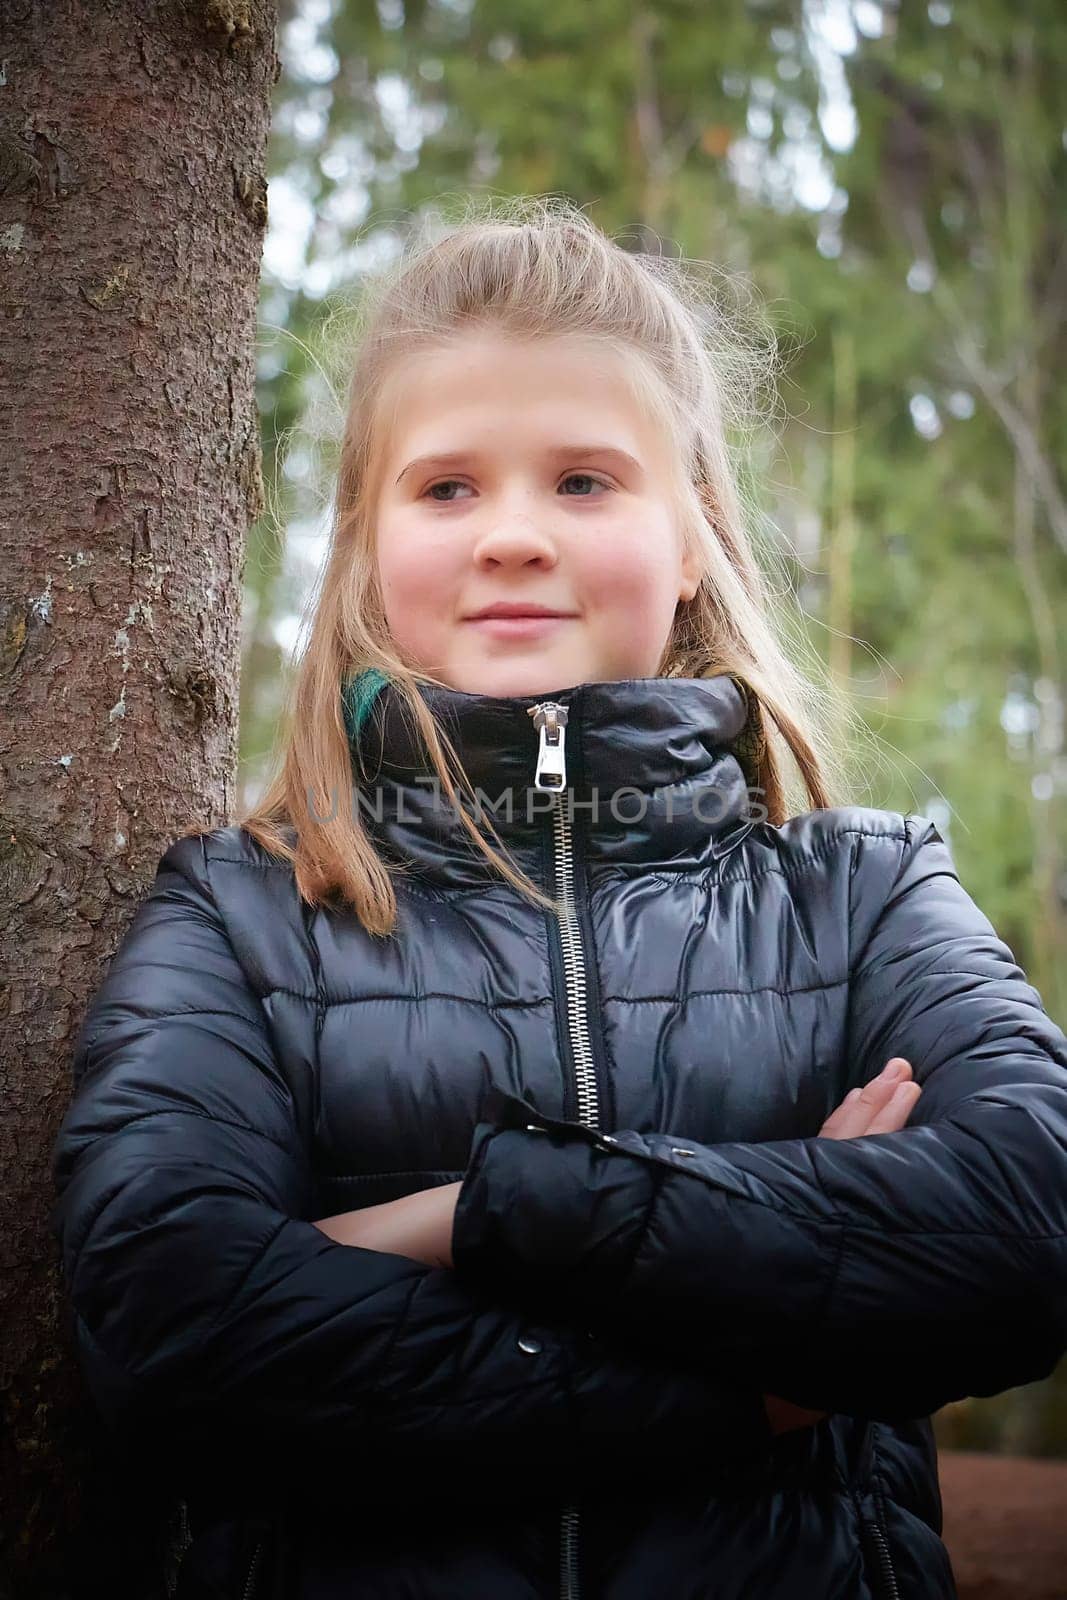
(649, 1233)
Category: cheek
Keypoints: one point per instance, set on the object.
(415, 573)
(632, 578)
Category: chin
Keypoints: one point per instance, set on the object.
(505, 679)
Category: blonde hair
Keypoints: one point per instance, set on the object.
(532, 267)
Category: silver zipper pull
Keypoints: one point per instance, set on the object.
(551, 719)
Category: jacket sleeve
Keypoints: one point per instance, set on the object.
(880, 1276)
(211, 1314)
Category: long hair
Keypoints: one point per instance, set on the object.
(533, 266)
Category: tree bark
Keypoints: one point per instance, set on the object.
(133, 204)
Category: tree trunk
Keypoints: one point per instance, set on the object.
(133, 138)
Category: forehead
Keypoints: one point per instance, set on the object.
(492, 390)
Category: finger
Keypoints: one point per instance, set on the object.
(853, 1115)
(874, 1094)
(895, 1113)
(888, 1119)
(871, 1100)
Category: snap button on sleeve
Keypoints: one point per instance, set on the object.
(529, 1345)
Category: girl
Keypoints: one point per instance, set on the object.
(517, 1161)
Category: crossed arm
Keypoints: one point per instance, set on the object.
(420, 1225)
(805, 1266)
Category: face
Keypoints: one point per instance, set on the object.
(554, 494)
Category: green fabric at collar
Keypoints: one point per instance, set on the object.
(358, 696)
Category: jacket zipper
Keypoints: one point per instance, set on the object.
(180, 1541)
(550, 718)
(250, 1581)
(877, 1536)
(888, 1583)
(880, 1533)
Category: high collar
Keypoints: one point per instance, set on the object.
(658, 772)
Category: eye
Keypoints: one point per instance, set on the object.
(445, 483)
(588, 477)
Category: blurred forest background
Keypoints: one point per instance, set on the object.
(893, 180)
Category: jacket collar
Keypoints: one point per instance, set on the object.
(658, 773)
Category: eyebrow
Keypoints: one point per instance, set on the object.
(452, 458)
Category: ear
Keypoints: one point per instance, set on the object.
(690, 576)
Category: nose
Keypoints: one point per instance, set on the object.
(515, 542)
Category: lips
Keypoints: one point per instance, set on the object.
(528, 626)
(504, 611)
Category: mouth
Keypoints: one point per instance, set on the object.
(524, 625)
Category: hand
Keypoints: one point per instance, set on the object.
(417, 1225)
(784, 1416)
(881, 1106)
